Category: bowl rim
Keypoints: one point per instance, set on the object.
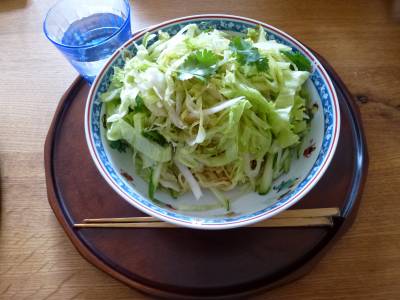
(196, 221)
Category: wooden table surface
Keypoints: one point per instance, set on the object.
(361, 39)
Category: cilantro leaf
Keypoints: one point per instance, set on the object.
(119, 145)
(200, 64)
(302, 63)
(244, 51)
(139, 105)
(262, 64)
(155, 137)
(247, 54)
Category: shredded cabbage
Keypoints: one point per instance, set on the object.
(209, 110)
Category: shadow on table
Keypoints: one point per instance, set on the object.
(6, 5)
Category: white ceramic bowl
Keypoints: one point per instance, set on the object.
(318, 147)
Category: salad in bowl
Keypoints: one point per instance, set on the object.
(212, 121)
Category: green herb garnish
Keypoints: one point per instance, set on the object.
(247, 54)
(119, 145)
(139, 106)
(155, 137)
(302, 63)
(201, 64)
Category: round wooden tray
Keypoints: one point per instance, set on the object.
(186, 263)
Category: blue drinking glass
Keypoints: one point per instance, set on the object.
(87, 32)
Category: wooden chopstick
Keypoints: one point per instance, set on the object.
(294, 213)
(289, 218)
(272, 222)
(122, 220)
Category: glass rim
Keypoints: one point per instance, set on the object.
(127, 20)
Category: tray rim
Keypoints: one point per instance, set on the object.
(349, 211)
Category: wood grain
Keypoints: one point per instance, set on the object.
(361, 39)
